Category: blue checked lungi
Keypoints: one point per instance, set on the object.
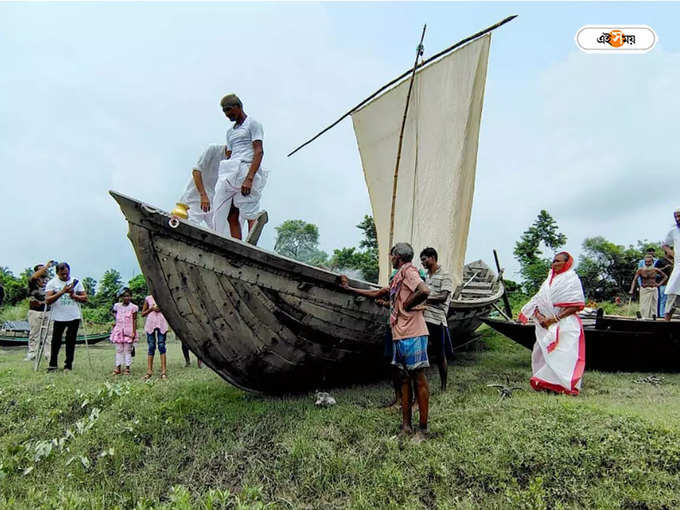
(411, 353)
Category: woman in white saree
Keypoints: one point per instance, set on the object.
(559, 356)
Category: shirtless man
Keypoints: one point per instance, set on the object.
(648, 290)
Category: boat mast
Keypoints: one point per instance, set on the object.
(419, 52)
(404, 75)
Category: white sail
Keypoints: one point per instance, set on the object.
(438, 158)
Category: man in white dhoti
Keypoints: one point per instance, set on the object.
(559, 356)
(241, 180)
(647, 276)
(672, 248)
(200, 189)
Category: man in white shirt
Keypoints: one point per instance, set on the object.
(672, 248)
(63, 294)
(200, 189)
(241, 180)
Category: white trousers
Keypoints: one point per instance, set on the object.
(648, 301)
(228, 193)
(123, 354)
(196, 215)
(35, 319)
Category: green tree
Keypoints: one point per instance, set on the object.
(528, 251)
(365, 261)
(137, 286)
(90, 286)
(15, 288)
(299, 240)
(606, 269)
(109, 288)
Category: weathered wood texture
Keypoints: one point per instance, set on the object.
(266, 323)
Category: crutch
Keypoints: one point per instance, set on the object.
(42, 337)
(87, 345)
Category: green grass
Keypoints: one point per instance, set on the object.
(89, 440)
(18, 312)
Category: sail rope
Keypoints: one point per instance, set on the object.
(404, 75)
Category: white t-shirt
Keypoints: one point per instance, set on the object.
(673, 240)
(208, 164)
(64, 309)
(240, 139)
(673, 283)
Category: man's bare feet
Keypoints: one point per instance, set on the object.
(419, 436)
(405, 430)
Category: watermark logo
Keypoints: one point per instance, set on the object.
(616, 39)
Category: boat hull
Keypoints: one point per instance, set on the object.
(615, 344)
(263, 322)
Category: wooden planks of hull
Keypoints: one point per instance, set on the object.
(266, 323)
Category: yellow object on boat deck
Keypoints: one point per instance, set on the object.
(181, 211)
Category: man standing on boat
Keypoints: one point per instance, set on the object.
(241, 179)
(436, 309)
(648, 287)
(200, 190)
(671, 247)
(409, 333)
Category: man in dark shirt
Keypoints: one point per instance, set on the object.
(38, 311)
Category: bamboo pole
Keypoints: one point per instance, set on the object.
(403, 75)
(419, 52)
(506, 301)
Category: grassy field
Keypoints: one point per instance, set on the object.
(88, 440)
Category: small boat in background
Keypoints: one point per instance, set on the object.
(12, 339)
(614, 343)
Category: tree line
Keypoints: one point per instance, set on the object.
(299, 240)
(606, 269)
(102, 294)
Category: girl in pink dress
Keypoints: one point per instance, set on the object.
(155, 326)
(124, 332)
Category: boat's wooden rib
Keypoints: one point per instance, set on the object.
(267, 323)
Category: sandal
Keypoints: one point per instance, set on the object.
(116, 371)
(164, 375)
(148, 376)
(127, 371)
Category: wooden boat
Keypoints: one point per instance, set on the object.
(267, 323)
(615, 343)
(7, 339)
(271, 324)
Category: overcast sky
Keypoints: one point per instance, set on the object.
(100, 96)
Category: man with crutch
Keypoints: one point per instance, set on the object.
(64, 294)
(38, 312)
